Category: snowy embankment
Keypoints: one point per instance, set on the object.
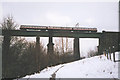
(94, 67)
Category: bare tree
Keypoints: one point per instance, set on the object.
(7, 24)
(92, 53)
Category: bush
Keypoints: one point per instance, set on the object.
(92, 53)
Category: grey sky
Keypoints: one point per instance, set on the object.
(101, 15)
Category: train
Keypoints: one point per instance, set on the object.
(47, 28)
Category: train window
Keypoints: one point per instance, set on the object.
(89, 31)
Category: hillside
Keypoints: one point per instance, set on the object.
(94, 67)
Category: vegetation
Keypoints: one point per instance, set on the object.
(92, 53)
(20, 58)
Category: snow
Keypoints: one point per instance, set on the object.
(94, 67)
(117, 56)
(46, 73)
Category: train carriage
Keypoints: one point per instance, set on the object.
(75, 29)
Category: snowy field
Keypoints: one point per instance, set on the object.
(94, 67)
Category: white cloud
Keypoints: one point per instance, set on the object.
(56, 19)
(89, 20)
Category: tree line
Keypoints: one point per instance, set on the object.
(20, 58)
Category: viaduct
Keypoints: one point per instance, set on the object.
(109, 42)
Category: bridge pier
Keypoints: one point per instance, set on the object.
(5, 55)
(76, 49)
(38, 43)
(37, 56)
(50, 51)
(101, 45)
(50, 46)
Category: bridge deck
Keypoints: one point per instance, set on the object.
(48, 33)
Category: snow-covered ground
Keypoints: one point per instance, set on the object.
(94, 67)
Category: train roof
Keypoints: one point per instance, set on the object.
(53, 26)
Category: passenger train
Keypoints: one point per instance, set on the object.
(43, 28)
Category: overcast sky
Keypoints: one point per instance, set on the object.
(101, 15)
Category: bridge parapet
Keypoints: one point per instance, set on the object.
(47, 34)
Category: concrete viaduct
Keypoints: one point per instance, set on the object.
(108, 41)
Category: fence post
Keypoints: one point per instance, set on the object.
(113, 54)
(110, 52)
(107, 53)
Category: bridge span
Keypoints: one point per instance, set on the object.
(106, 39)
(51, 33)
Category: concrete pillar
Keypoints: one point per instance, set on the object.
(38, 43)
(5, 55)
(50, 51)
(37, 56)
(76, 49)
(50, 46)
(101, 45)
